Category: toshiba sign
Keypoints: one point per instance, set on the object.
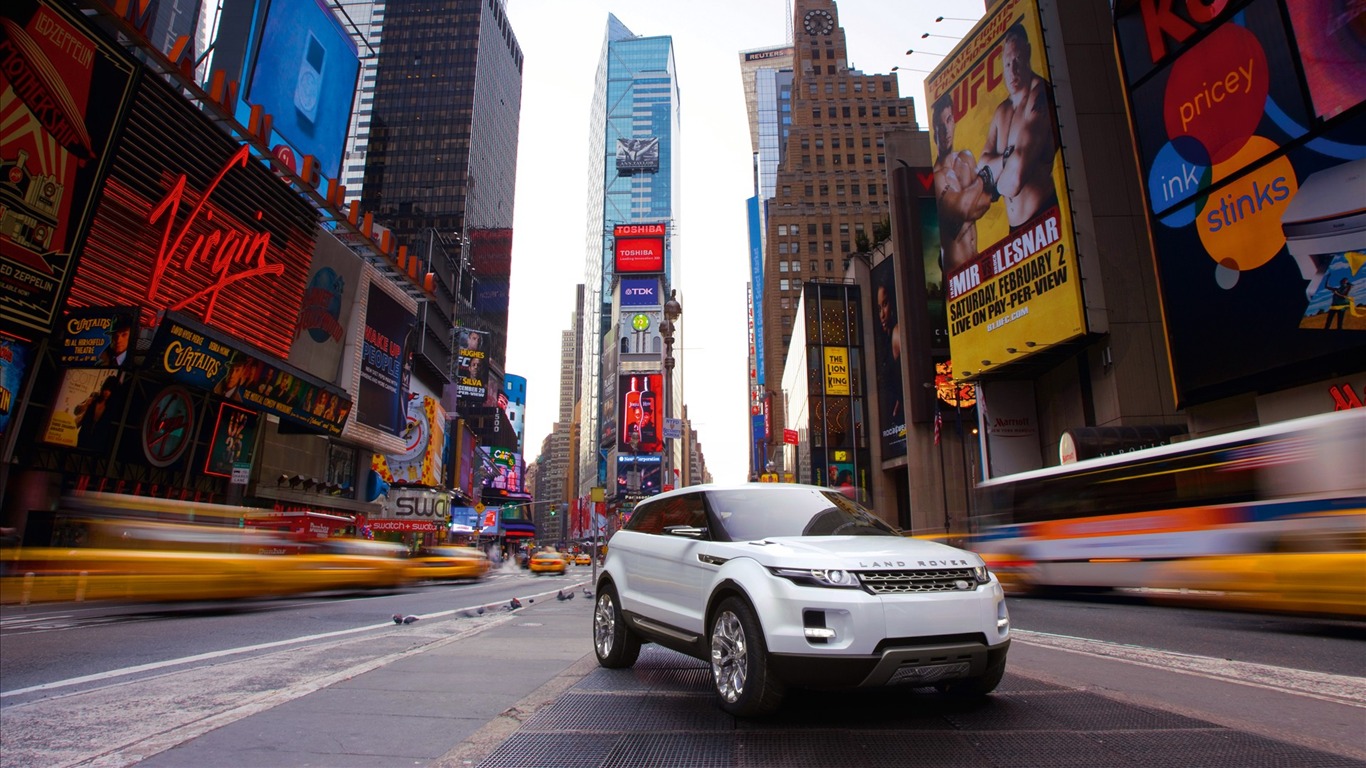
(640, 254)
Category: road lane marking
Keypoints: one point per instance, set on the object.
(1339, 689)
(156, 665)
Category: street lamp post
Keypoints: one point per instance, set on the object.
(672, 311)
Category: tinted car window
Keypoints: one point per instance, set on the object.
(747, 515)
(647, 518)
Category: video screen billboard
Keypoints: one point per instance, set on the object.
(641, 411)
(1254, 179)
(304, 76)
(471, 349)
(638, 248)
(1004, 217)
(382, 398)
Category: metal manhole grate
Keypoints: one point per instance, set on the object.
(1011, 712)
(875, 709)
(576, 710)
(667, 712)
(1046, 749)
(614, 680)
(679, 680)
(652, 750)
(1080, 711)
(533, 750)
(1017, 683)
(658, 657)
(1217, 748)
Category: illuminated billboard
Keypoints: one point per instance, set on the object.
(188, 222)
(1004, 217)
(304, 76)
(1254, 179)
(471, 349)
(639, 476)
(638, 247)
(422, 461)
(640, 292)
(63, 92)
(641, 399)
(382, 398)
(638, 155)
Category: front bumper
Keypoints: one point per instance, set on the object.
(820, 636)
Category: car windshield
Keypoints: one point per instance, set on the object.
(747, 515)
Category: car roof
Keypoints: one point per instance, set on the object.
(755, 487)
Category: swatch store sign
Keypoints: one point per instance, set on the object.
(411, 510)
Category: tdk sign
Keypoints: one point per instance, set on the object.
(639, 292)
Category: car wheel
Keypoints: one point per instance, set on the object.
(616, 646)
(975, 687)
(744, 683)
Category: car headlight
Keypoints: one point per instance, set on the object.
(983, 576)
(818, 577)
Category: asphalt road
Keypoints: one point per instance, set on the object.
(331, 681)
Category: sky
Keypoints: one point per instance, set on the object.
(561, 43)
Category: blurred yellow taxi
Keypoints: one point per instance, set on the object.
(583, 559)
(342, 564)
(1305, 583)
(547, 562)
(48, 574)
(448, 563)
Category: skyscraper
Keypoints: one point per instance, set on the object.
(767, 78)
(633, 179)
(441, 162)
(830, 195)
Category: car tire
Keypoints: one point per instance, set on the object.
(975, 687)
(745, 685)
(615, 645)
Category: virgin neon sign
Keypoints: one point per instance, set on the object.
(229, 252)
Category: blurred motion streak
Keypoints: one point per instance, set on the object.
(1269, 519)
(107, 547)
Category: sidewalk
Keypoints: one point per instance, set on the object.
(452, 697)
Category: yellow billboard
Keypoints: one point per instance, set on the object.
(1008, 247)
(836, 370)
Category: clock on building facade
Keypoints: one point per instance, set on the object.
(818, 22)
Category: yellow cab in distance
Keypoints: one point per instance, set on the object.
(448, 562)
(547, 562)
(583, 559)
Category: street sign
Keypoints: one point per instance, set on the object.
(673, 429)
(241, 474)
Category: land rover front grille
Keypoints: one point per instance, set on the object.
(905, 582)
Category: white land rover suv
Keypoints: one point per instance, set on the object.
(780, 585)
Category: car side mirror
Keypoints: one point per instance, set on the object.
(691, 532)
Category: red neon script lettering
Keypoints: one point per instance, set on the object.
(219, 249)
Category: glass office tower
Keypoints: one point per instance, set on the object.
(441, 161)
(635, 100)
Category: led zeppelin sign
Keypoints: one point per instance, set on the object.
(63, 91)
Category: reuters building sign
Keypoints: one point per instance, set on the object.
(1010, 268)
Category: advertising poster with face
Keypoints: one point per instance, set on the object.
(887, 358)
(1252, 183)
(471, 356)
(85, 415)
(232, 440)
(1004, 218)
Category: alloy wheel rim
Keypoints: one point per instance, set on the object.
(729, 656)
(605, 624)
